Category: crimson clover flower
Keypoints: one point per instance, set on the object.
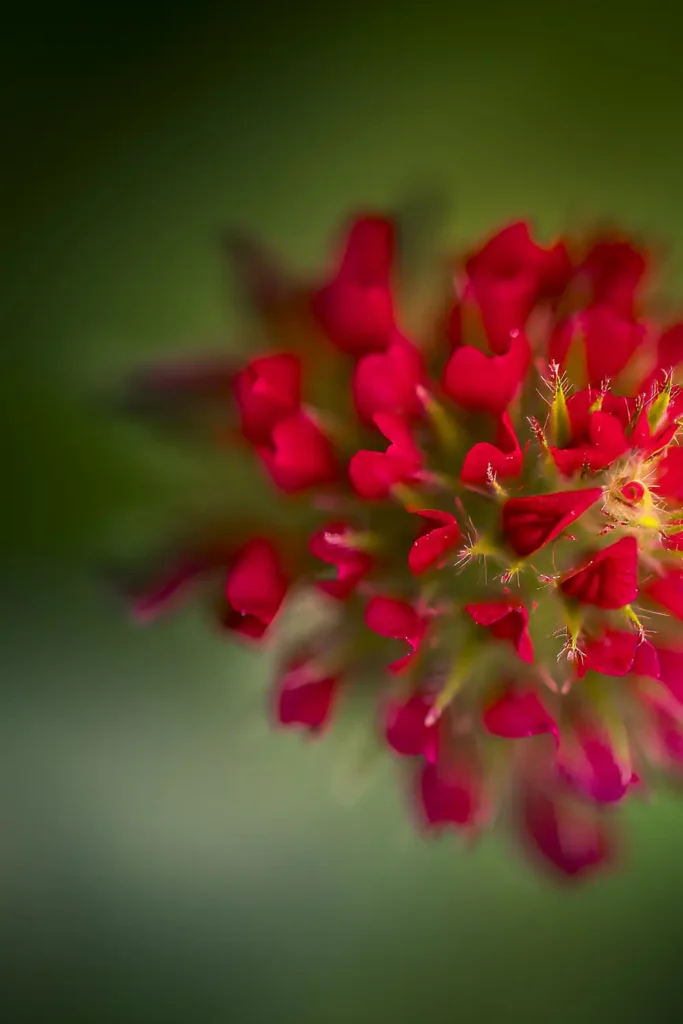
(493, 521)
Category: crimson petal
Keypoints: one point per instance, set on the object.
(267, 390)
(530, 523)
(433, 547)
(609, 580)
(329, 546)
(356, 309)
(373, 474)
(484, 383)
(504, 459)
(305, 698)
(517, 714)
(396, 620)
(407, 731)
(300, 455)
(572, 842)
(255, 589)
(386, 382)
(450, 796)
(506, 620)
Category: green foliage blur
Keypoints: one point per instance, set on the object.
(164, 855)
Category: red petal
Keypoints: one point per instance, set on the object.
(251, 627)
(487, 383)
(506, 277)
(606, 442)
(357, 319)
(556, 271)
(450, 796)
(396, 620)
(670, 348)
(386, 382)
(300, 455)
(667, 591)
(506, 621)
(606, 434)
(531, 522)
(597, 438)
(618, 653)
(517, 714)
(431, 549)
(590, 767)
(609, 580)
(670, 475)
(352, 566)
(267, 390)
(356, 308)
(305, 698)
(406, 729)
(642, 435)
(579, 408)
(610, 341)
(615, 269)
(373, 474)
(255, 588)
(670, 736)
(572, 842)
(368, 253)
(671, 671)
(505, 459)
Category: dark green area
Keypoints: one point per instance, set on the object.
(163, 855)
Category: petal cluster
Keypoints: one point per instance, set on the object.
(492, 523)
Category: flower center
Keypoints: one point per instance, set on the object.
(629, 500)
(633, 492)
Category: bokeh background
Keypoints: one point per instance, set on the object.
(163, 855)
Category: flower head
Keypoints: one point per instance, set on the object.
(493, 526)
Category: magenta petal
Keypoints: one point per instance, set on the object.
(396, 620)
(352, 566)
(434, 545)
(373, 474)
(671, 671)
(300, 456)
(244, 624)
(506, 620)
(386, 382)
(618, 653)
(670, 347)
(518, 714)
(667, 591)
(593, 771)
(449, 797)
(508, 275)
(609, 579)
(610, 341)
(256, 586)
(504, 459)
(572, 843)
(670, 736)
(267, 390)
(355, 308)
(305, 699)
(484, 383)
(407, 731)
(670, 475)
(615, 269)
(531, 521)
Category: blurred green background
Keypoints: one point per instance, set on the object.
(163, 855)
